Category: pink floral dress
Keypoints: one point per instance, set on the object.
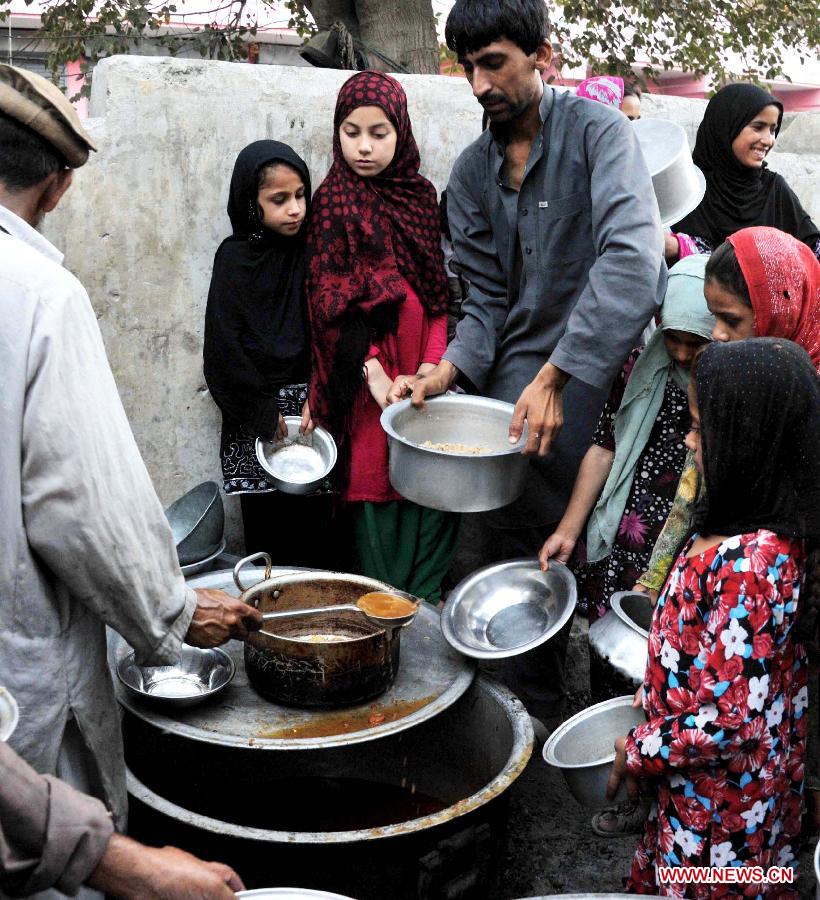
(725, 694)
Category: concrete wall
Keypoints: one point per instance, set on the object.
(145, 215)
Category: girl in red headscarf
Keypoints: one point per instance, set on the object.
(377, 296)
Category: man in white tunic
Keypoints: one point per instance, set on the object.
(84, 542)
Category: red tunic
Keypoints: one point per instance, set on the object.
(419, 339)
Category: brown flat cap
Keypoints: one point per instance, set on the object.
(43, 107)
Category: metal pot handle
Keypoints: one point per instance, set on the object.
(248, 559)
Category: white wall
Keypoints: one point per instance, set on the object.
(145, 215)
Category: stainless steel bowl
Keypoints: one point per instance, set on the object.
(452, 481)
(298, 468)
(205, 564)
(197, 521)
(196, 676)
(291, 894)
(678, 183)
(583, 748)
(621, 635)
(508, 608)
(9, 714)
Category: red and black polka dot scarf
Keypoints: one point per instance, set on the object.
(367, 235)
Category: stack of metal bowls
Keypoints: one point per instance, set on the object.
(197, 521)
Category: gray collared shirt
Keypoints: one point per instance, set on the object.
(591, 266)
(569, 269)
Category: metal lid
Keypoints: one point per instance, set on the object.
(9, 714)
(431, 677)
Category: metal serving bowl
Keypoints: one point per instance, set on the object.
(196, 676)
(583, 748)
(508, 608)
(451, 481)
(678, 183)
(817, 870)
(291, 894)
(297, 468)
(9, 714)
(197, 521)
(621, 636)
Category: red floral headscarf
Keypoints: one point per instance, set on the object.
(783, 277)
(367, 236)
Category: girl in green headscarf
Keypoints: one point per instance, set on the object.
(628, 477)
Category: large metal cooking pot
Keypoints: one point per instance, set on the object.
(619, 639)
(416, 814)
(285, 668)
(452, 481)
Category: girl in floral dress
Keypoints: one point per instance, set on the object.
(725, 691)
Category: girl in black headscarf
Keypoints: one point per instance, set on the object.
(257, 349)
(739, 128)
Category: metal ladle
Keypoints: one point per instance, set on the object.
(388, 623)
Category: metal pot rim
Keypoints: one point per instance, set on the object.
(549, 747)
(615, 605)
(519, 756)
(250, 594)
(391, 412)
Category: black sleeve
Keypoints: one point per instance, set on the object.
(236, 384)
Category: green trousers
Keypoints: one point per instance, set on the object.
(408, 546)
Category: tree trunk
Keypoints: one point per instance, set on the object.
(404, 30)
(326, 12)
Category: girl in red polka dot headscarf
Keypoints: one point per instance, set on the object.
(377, 295)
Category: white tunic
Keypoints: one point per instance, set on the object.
(83, 538)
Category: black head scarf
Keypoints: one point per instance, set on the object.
(256, 335)
(738, 196)
(759, 406)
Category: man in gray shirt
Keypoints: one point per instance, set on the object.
(555, 227)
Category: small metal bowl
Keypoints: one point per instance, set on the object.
(197, 521)
(508, 608)
(297, 468)
(291, 894)
(9, 714)
(196, 676)
(583, 748)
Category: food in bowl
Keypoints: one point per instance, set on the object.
(454, 447)
(297, 464)
(385, 606)
(319, 638)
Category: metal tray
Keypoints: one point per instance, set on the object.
(431, 677)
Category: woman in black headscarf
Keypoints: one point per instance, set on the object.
(257, 348)
(739, 128)
(725, 691)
